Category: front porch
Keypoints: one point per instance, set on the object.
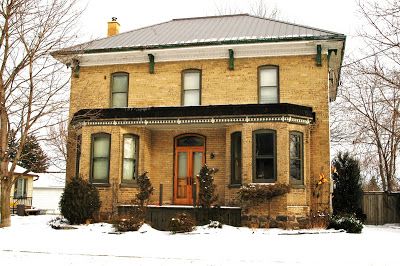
(160, 216)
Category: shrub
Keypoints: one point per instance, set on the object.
(207, 189)
(261, 193)
(347, 192)
(348, 223)
(130, 222)
(79, 201)
(145, 189)
(215, 224)
(182, 223)
(58, 223)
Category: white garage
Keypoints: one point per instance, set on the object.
(47, 190)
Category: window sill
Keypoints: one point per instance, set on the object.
(128, 185)
(234, 185)
(297, 186)
(101, 184)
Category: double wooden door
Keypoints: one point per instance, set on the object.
(188, 162)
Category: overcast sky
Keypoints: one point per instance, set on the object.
(339, 15)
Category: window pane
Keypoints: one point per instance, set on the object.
(190, 141)
(268, 95)
(191, 98)
(182, 164)
(101, 147)
(236, 159)
(265, 169)
(100, 168)
(120, 83)
(265, 144)
(129, 169)
(129, 147)
(191, 81)
(294, 146)
(197, 162)
(119, 99)
(295, 169)
(268, 77)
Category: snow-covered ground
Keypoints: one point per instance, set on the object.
(30, 241)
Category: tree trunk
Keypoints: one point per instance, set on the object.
(5, 203)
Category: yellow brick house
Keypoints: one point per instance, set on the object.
(247, 95)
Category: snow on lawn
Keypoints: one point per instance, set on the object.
(30, 241)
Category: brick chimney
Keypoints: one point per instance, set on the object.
(113, 27)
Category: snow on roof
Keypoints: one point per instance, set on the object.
(19, 170)
(50, 180)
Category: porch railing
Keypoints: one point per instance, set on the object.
(15, 201)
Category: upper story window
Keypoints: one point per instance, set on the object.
(264, 156)
(268, 87)
(296, 157)
(191, 87)
(119, 90)
(130, 158)
(100, 161)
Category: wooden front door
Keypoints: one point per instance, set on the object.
(189, 158)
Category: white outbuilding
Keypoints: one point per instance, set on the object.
(47, 190)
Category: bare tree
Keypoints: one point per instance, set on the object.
(369, 101)
(31, 91)
(259, 8)
(57, 139)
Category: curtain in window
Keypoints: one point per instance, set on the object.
(268, 85)
(129, 168)
(100, 158)
(120, 90)
(191, 88)
(295, 153)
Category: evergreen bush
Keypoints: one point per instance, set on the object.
(145, 189)
(348, 223)
(207, 188)
(182, 223)
(131, 222)
(79, 201)
(347, 192)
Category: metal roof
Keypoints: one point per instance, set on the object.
(228, 29)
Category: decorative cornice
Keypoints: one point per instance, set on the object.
(205, 52)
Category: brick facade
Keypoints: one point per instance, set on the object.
(300, 82)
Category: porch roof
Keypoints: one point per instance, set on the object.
(248, 113)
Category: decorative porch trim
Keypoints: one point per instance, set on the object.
(212, 120)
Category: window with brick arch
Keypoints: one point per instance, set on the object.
(236, 158)
(119, 90)
(264, 156)
(130, 158)
(268, 84)
(296, 157)
(191, 87)
(100, 158)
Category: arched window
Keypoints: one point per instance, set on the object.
(296, 157)
(100, 159)
(191, 87)
(236, 158)
(119, 90)
(130, 158)
(264, 156)
(268, 84)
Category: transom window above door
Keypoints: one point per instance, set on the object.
(191, 87)
(268, 87)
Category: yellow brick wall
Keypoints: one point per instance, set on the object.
(301, 82)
